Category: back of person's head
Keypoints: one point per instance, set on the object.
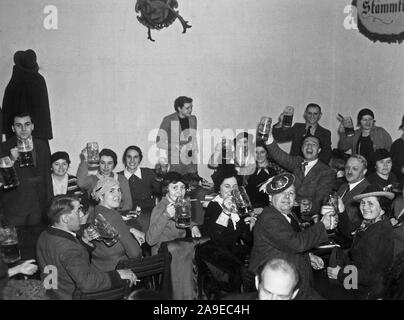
(61, 204)
(109, 153)
(192, 179)
(180, 101)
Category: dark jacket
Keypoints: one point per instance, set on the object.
(274, 237)
(27, 92)
(27, 203)
(317, 184)
(59, 248)
(296, 134)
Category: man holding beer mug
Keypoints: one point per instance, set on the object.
(25, 205)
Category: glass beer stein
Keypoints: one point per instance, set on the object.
(108, 234)
(161, 168)
(9, 247)
(348, 125)
(288, 116)
(183, 213)
(25, 148)
(242, 201)
(7, 171)
(264, 127)
(93, 154)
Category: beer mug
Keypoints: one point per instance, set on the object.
(9, 247)
(242, 200)
(25, 148)
(330, 209)
(305, 210)
(227, 150)
(264, 127)
(183, 213)
(8, 172)
(348, 125)
(288, 116)
(161, 168)
(107, 232)
(93, 154)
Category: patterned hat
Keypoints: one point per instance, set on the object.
(280, 183)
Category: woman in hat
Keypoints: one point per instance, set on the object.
(383, 177)
(367, 138)
(62, 182)
(371, 255)
(108, 193)
(162, 221)
(108, 162)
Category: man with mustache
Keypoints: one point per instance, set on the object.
(351, 218)
(277, 234)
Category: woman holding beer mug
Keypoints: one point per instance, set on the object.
(162, 222)
(371, 255)
(108, 192)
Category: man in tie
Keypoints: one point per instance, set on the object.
(351, 218)
(312, 116)
(277, 234)
(314, 179)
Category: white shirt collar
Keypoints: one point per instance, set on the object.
(353, 185)
(286, 216)
(138, 173)
(310, 164)
(72, 233)
(60, 187)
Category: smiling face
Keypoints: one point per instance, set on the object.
(370, 208)
(176, 190)
(311, 148)
(132, 159)
(384, 166)
(260, 155)
(111, 199)
(367, 122)
(106, 165)
(186, 110)
(23, 127)
(312, 115)
(284, 201)
(60, 167)
(354, 170)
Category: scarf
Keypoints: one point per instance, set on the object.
(225, 216)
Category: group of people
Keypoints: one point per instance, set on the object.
(55, 211)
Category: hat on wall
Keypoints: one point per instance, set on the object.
(279, 183)
(26, 60)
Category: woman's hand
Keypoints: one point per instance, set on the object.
(316, 262)
(170, 211)
(14, 154)
(195, 232)
(27, 267)
(332, 273)
(251, 221)
(139, 235)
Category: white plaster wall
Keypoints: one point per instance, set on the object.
(240, 60)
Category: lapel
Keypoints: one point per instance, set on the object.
(313, 171)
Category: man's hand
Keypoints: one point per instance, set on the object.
(195, 232)
(170, 211)
(316, 262)
(341, 206)
(27, 267)
(332, 273)
(127, 274)
(251, 221)
(327, 221)
(139, 235)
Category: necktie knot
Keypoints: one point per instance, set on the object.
(308, 131)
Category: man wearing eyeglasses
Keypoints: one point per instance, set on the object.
(61, 248)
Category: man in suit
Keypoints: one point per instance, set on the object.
(177, 137)
(277, 234)
(295, 134)
(314, 179)
(58, 246)
(25, 206)
(351, 218)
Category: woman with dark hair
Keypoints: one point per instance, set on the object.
(108, 162)
(162, 222)
(265, 169)
(383, 177)
(108, 193)
(371, 254)
(367, 138)
(142, 181)
(230, 237)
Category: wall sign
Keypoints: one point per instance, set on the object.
(381, 20)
